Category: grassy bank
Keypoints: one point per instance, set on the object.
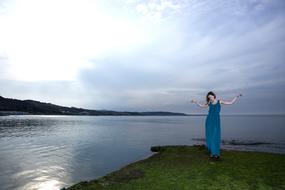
(189, 167)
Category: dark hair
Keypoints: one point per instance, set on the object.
(210, 93)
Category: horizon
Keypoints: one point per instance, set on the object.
(187, 114)
(144, 55)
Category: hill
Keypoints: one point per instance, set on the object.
(10, 106)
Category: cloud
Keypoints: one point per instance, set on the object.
(50, 36)
(154, 55)
(156, 10)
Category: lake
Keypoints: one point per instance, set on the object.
(51, 152)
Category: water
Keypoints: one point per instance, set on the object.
(51, 152)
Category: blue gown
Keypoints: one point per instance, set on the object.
(213, 129)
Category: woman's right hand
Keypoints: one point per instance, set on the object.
(193, 101)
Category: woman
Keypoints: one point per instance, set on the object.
(213, 129)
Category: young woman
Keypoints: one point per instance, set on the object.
(213, 124)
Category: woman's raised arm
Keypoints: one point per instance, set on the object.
(201, 105)
(230, 102)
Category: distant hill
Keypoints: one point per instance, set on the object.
(10, 106)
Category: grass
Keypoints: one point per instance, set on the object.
(189, 167)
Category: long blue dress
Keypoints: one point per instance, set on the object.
(213, 129)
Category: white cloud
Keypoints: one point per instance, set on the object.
(52, 40)
(156, 10)
(136, 54)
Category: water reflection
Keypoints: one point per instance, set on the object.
(44, 183)
(35, 167)
(41, 179)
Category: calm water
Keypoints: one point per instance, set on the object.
(51, 152)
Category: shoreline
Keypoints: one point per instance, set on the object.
(185, 166)
(164, 115)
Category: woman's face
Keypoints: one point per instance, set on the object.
(211, 97)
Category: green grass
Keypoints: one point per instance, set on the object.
(189, 167)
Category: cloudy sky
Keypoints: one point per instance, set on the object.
(146, 55)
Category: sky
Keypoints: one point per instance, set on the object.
(151, 55)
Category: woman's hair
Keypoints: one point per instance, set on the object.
(210, 93)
